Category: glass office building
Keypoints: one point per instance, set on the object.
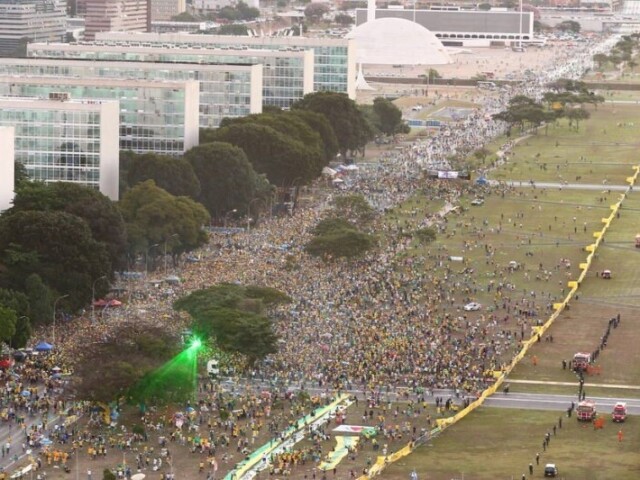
(36, 20)
(287, 75)
(159, 117)
(334, 58)
(65, 140)
(225, 90)
(7, 160)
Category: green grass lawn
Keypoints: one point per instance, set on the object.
(494, 443)
(536, 228)
(598, 150)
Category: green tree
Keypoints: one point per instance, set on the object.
(20, 175)
(95, 209)
(106, 473)
(232, 315)
(600, 59)
(153, 215)
(40, 300)
(315, 11)
(433, 74)
(280, 157)
(175, 175)
(576, 115)
(319, 124)
(354, 208)
(390, 117)
(569, 26)
(293, 127)
(348, 122)
(8, 319)
(343, 19)
(68, 257)
(336, 237)
(133, 351)
(227, 178)
(232, 29)
(481, 154)
(19, 303)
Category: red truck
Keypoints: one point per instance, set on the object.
(619, 413)
(586, 410)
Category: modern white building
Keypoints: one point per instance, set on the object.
(34, 20)
(286, 75)
(159, 117)
(334, 58)
(463, 28)
(7, 165)
(66, 140)
(225, 90)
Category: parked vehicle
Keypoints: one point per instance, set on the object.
(619, 413)
(581, 361)
(586, 411)
(472, 307)
(550, 470)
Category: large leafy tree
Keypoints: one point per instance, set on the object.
(153, 216)
(336, 237)
(175, 175)
(293, 126)
(281, 158)
(95, 209)
(61, 249)
(320, 124)
(130, 353)
(8, 319)
(389, 117)
(40, 300)
(227, 178)
(233, 317)
(19, 303)
(348, 122)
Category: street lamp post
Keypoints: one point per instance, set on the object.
(249, 213)
(165, 252)
(93, 298)
(53, 330)
(226, 216)
(146, 259)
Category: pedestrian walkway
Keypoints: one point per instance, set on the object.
(573, 384)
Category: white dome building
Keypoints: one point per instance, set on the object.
(396, 41)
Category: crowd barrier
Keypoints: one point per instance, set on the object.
(443, 423)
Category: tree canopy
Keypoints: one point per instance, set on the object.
(227, 178)
(56, 245)
(232, 316)
(349, 124)
(99, 213)
(280, 157)
(175, 175)
(153, 216)
(336, 237)
(130, 353)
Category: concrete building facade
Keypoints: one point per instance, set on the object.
(60, 139)
(159, 117)
(287, 75)
(225, 90)
(116, 15)
(36, 20)
(163, 10)
(334, 58)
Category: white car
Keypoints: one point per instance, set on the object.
(472, 307)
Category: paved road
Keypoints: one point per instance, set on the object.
(569, 186)
(545, 401)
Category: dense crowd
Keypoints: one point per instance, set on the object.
(375, 324)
